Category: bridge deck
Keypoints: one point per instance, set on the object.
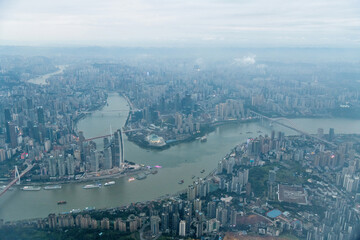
(108, 135)
(292, 128)
(29, 167)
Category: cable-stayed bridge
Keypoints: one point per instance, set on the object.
(17, 178)
(291, 126)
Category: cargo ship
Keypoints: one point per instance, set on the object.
(90, 186)
(52, 187)
(109, 183)
(31, 188)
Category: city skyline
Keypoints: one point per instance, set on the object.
(154, 119)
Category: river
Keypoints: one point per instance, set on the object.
(178, 162)
(42, 79)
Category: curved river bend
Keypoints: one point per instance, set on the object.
(179, 162)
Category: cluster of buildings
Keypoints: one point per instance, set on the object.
(269, 185)
(231, 109)
(38, 124)
(84, 158)
(131, 224)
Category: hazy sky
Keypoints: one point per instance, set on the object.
(242, 23)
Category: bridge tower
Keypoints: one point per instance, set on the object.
(17, 175)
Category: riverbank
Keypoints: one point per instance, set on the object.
(88, 179)
(124, 206)
(42, 80)
(181, 161)
(92, 109)
(141, 142)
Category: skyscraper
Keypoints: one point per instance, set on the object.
(11, 134)
(331, 134)
(107, 154)
(199, 229)
(154, 223)
(164, 221)
(182, 228)
(7, 115)
(175, 223)
(119, 149)
(94, 161)
(40, 115)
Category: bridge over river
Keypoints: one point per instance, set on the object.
(291, 126)
(17, 178)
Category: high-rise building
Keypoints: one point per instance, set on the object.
(107, 158)
(211, 209)
(29, 103)
(154, 224)
(70, 164)
(164, 221)
(61, 165)
(243, 177)
(119, 149)
(120, 225)
(212, 225)
(175, 223)
(331, 134)
(7, 128)
(320, 132)
(191, 193)
(182, 228)
(197, 204)
(11, 134)
(52, 220)
(224, 217)
(40, 115)
(105, 223)
(7, 115)
(52, 166)
(133, 225)
(107, 155)
(199, 229)
(94, 161)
